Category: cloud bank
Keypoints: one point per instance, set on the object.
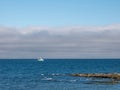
(60, 42)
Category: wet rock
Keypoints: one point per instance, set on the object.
(115, 76)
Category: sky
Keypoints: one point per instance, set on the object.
(59, 28)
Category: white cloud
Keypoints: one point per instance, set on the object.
(60, 42)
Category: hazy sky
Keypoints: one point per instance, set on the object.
(60, 28)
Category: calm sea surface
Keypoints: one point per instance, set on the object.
(53, 74)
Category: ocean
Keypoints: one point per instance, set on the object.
(54, 74)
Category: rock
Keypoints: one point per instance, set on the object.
(115, 76)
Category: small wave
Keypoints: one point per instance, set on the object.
(46, 78)
(57, 74)
(72, 80)
(53, 74)
(42, 74)
(58, 80)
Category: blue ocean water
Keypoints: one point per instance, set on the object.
(54, 74)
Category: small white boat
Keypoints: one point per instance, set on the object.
(40, 59)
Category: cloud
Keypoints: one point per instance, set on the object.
(60, 42)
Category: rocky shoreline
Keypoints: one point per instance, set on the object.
(114, 76)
